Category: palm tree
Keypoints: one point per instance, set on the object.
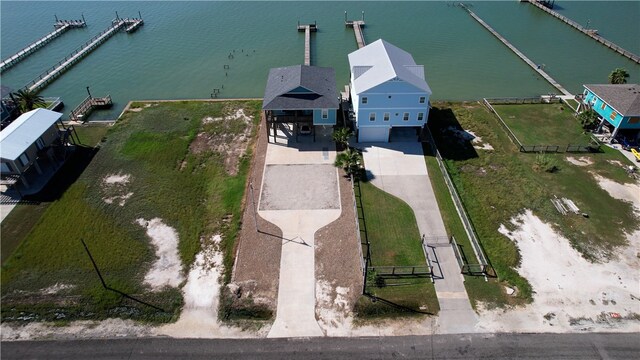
(341, 136)
(618, 76)
(28, 100)
(350, 160)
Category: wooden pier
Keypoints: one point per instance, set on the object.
(85, 108)
(308, 28)
(589, 32)
(55, 71)
(535, 67)
(61, 26)
(357, 26)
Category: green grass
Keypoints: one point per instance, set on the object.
(543, 124)
(498, 185)
(91, 134)
(189, 192)
(392, 231)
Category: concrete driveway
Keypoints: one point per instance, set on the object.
(299, 194)
(399, 169)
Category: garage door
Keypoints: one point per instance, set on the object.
(373, 134)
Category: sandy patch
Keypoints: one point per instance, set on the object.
(199, 318)
(616, 162)
(56, 288)
(114, 188)
(468, 135)
(167, 269)
(626, 192)
(581, 161)
(223, 141)
(110, 328)
(570, 293)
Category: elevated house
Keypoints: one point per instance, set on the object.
(388, 90)
(301, 95)
(618, 107)
(30, 143)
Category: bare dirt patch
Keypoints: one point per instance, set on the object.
(625, 192)
(581, 161)
(108, 329)
(167, 269)
(257, 266)
(114, 189)
(570, 293)
(56, 288)
(228, 135)
(468, 136)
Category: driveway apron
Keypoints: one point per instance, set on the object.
(300, 195)
(399, 169)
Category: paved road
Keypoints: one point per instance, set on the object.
(476, 346)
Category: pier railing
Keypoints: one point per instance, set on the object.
(87, 105)
(57, 69)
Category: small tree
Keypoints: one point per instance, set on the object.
(588, 119)
(341, 136)
(28, 100)
(350, 160)
(618, 76)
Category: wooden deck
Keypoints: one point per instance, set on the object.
(535, 67)
(82, 111)
(61, 26)
(589, 32)
(55, 71)
(357, 26)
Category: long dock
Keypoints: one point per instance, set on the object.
(55, 71)
(357, 26)
(308, 28)
(61, 26)
(535, 67)
(589, 32)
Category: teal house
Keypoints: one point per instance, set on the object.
(618, 107)
(303, 97)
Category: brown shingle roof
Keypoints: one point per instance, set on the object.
(625, 98)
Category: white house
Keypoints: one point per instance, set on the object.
(388, 90)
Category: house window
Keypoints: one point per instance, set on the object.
(24, 159)
(386, 117)
(423, 99)
(405, 116)
(613, 115)
(325, 113)
(420, 116)
(603, 106)
(634, 120)
(364, 99)
(6, 168)
(372, 116)
(40, 143)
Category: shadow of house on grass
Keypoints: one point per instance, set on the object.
(68, 173)
(453, 142)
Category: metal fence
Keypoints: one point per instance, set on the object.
(363, 265)
(593, 147)
(466, 222)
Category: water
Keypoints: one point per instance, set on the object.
(181, 51)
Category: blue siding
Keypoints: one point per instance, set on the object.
(395, 98)
(607, 111)
(318, 120)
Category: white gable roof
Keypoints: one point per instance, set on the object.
(24, 131)
(379, 62)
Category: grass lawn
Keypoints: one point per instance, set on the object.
(543, 124)
(190, 191)
(496, 186)
(391, 228)
(91, 134)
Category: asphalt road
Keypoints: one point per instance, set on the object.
(502, 346)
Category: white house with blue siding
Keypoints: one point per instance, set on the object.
(618, 105)
(301, 95)
(388, 90)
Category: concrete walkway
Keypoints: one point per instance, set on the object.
(314, 200)
(399, 169)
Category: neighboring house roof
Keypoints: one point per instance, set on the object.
(625, 98)
(380, 62)
(301, 87)
(24, 131)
